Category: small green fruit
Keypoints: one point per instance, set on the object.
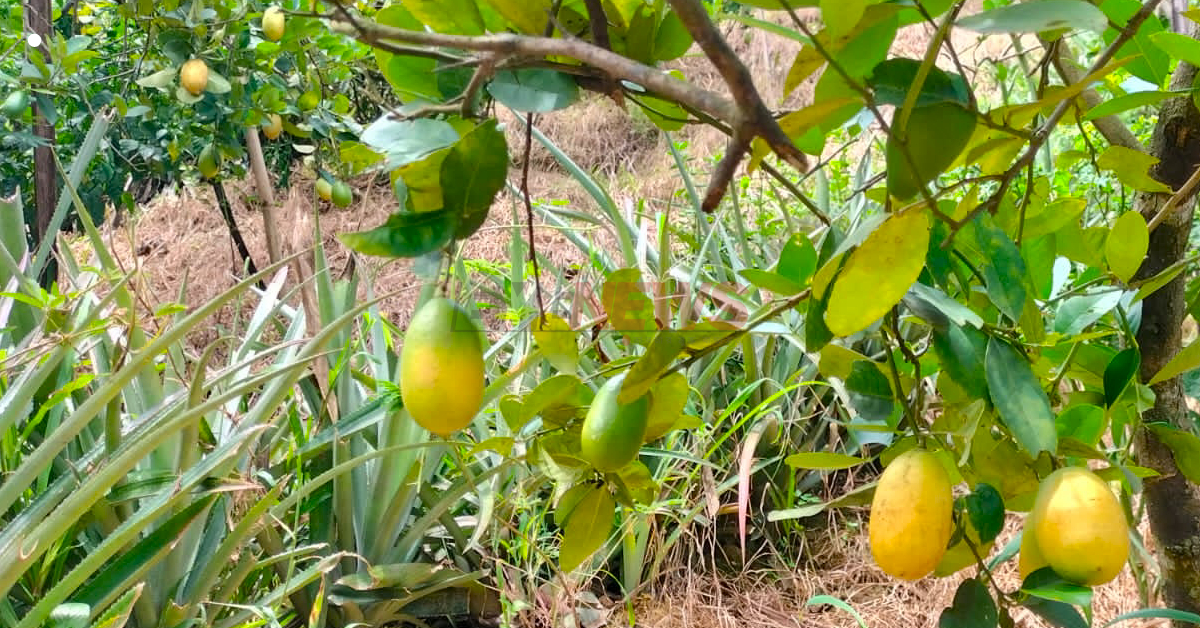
(341, 194)
(613, 432)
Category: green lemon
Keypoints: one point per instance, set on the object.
(324, 189)
(613, 432)
(341, 194)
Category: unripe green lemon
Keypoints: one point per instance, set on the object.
(1080, 527)
(911, 515)
(324, 189)
(15, 104)
(193, 75)
(273, 23)
(613, 432)
(208, 163)
(441, 367)
(341, 194)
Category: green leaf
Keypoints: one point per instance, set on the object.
(840, 16)
(217, 84)
(588, 527)
(1132, 168)
(973, 607)
(668, 398)
(1127, 102)
(878, 273)
(961, 352)
(662, 352)
(1155, 613)
(405, 234)
(1148, 61)
(472, 174)
(453, 17)
(1037, 17)
(771, 281)
(817, 600)
(1053, 216)
(117, 613)
(1178, 46)
(891, 80)
(1127, 245)
(1078, 313)
(798, 260)
(552, 394)
(70, 615)
(869, 391)
(161, 79)
(1057, 613)
(412, 78)
(406, 141)
(558, 342)
(529, 16)
(1019, 398)
(929, 302)
(933, 137)
(635, 483)
(985, 507)
(1003, 267)
(1184, 361)
(1046, 584)
(672, 39)
(1184, 446)
(1084, 422)
(1120, 371)
(823, 460)
(534, 90)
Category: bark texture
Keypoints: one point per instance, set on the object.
(1172, 501)
(45, 177)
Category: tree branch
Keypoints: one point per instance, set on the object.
(755, 118)
(1110, 126)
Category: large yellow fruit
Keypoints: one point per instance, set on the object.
(273, 23)
(911, 515)
(613, 432)
(1080, 527)
(193, 75)
(441, 367)
(273, 126)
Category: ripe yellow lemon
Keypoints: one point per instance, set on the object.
(273, 23)
(273, 126)
(441, 367)
(193, 75)
(911, 515)
(1080, 527)
(208, 163)
(341, 194)
(613, 432)
(324, 189)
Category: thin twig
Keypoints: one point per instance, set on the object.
(537, 278)
(1183, 195)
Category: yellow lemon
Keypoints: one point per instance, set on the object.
(193, 75)
(273, 24)
(1080, 527)
(441, 367)
(911, 515)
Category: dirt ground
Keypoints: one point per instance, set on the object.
(178, 239)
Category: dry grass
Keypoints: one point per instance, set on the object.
(837, 562)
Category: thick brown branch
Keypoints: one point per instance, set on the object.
(612, 63)
(1110, 127)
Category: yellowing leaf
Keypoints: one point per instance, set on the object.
(1132, 168)
(558, 342)
(587, 527)
(1126, 245)
(878, 273)
(823, 460)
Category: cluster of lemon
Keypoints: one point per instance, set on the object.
(1077, 526)
(442, 383)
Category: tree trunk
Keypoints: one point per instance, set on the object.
(45, 180)
(1172, 501)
